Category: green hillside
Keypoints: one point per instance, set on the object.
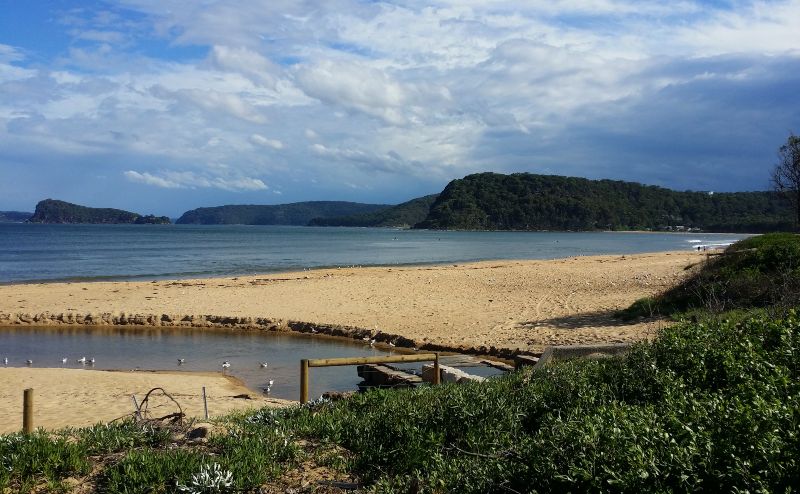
(403, 215)
(523, 201)
(54, 211)
(298, 213)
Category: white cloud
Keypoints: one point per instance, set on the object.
(422, 90)
(191, 180)
(262, 141)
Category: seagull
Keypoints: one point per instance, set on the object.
(268, 387)
(5, 360)
(82, 360)
(372, 342)
(225, 365)
(264, 365)
(313, 330)
(181, 361)
(29, 361)
(64, 360)
(91, 361)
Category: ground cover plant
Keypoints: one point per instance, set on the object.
(707, 406)
(761, 272)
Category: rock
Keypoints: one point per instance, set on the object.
(449, 375)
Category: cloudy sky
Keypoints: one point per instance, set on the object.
(160, 106)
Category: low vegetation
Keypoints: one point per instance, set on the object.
(760, 272)
(708, 407)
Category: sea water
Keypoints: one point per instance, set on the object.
(36, 252)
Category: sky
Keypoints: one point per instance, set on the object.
(161, 106)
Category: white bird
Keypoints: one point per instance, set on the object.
(29, 361)
(264, 365)
(82, 360)
(64, 360)
(181, 361)
(391, 344)
(314, 331)
(5, 360)
(372, 342)
(268, 387)
(91, 361)
(226, 364)
(366, 338)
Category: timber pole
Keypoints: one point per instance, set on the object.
(303, 381)
(436, 372)
(27, 411)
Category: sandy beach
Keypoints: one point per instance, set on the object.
(514, 305)
(509, 305)
(77, 397)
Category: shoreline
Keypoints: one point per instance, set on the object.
(498, 308)
(84, 397)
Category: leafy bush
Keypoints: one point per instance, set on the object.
(758, 272)
(704, 407)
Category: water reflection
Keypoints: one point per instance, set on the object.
(148, 348)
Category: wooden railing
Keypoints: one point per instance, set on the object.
(305, 364)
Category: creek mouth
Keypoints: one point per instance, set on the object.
(203, 350)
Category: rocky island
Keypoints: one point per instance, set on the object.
(55, 211)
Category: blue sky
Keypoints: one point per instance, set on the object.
(159, 106)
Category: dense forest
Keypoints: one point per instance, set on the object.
(403, 215)
(298, 213)
(14, 216)
(523, 201)
(53, 211)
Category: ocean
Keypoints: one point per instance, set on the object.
(37, 253)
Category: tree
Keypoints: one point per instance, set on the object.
(786, 175)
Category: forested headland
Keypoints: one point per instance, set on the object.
(54, 211)
(298, 213)
(403, 215)
(524, 201)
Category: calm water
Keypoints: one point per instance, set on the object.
(204, 350)
(30, 252)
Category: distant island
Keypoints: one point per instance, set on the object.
(298, 213)
(403, 215)
(525, 201)
(14, 216)
(54, 211)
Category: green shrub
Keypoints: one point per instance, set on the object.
(28, 459)
(757, 272)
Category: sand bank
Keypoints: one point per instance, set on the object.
(513, 305)
(77, 397)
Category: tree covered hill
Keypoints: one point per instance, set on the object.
(54, 211)
(403, 215)
(14, 216)
(524, 201)
(298, 213)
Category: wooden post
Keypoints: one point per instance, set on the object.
(205, 403)
(303, 381)
(436, 372)
(27, 411)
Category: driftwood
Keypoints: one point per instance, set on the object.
(175, 417)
